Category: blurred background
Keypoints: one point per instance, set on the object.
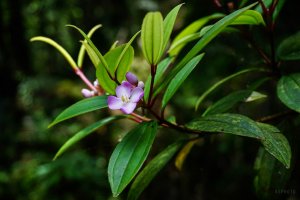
(37, 84)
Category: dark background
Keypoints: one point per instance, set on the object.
(36, 84)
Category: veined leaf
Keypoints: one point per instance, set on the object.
(67, 56)
(249, 17)
(129, 156)
(227, 123)
(190, 33)
(168, 25)
(85, 132)
(288, 91)
(161, 68)
(289, 48)
(152, 37)
(82, 48)
(152, 169)
(207, 37)
(179, 79)
(276, 144)
(81, 107)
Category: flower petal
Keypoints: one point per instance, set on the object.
(136, 94)
(124, 89)
(131, 78)
(114, 103)
(128, 107)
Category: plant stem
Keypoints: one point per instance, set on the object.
(153, 72)
(85, 79)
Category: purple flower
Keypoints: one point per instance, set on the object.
(126, 97)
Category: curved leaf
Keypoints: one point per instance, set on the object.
(179, 79)
(81, 107)
(182, 154)
(67, 56)
(270, 174)
(288, 91)
(151, 170)
(82, 48)
(217, 28)
(227, 102)
(213, 87)
(168, 25)
(152, 37)
(289, 48)
(93, 47)
(249, 17)
(227, 123)
(85, 132)
(276, 144)
(189, 33)
(129, 156)
(124, 60)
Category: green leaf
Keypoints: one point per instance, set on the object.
(288, 91)
(217, 28)
(85, 132)
(152, 169)
(211, 34)
(185, 150)
(161, 68)
(276, 144)
(82, 48)
(81, 107)
(92, 54)
(168, 25)
(227, 102)
(179, 79)
(105, 81)
(189, 33)
(249, 17)
(216, 85)
(227, 123)
(129, 156)
(67, 56)
(152, 37)
(125, 59)
(271, 175)
(112, 60)
(254, 96)
(93, 47)
(289, 48)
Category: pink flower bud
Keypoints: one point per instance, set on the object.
(87, 93)
(131, 78)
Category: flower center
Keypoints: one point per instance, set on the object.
(125, 99)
